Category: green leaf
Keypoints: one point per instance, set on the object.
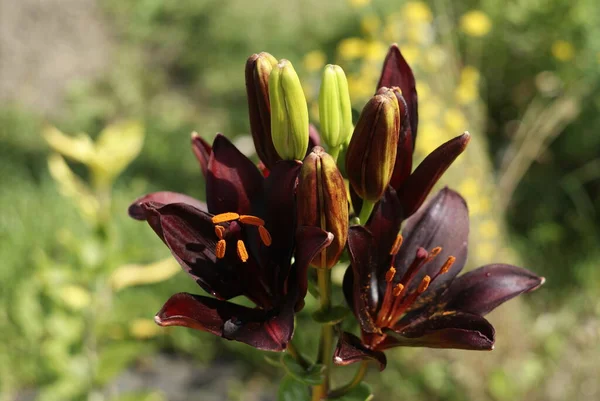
(311, 376)
(362, 392)
(291, 389)
(332, 315)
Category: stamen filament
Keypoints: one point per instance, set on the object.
(265, 236)
(224, 217)
(220, 249)
(241, 251)
(252, 220)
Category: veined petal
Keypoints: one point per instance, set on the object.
(310, 241)
(137, 211)
(363, 259)
(233, 182)
(480, 291)
(416, 187)
(280, 211)
(190, 235)
(384, 225)
(456, 330)
(397, 72)
(262, 329)
(202, 151)
(444, 222)
(350, 350)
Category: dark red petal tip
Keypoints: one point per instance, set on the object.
(456, 330)
(261, 329)
(480, 291)
(350, 350)
(202, 151)
(137, 211)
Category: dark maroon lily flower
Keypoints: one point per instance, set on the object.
(240, 243)
(403, 288)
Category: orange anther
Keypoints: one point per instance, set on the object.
(241, 251)
(424, 284)
(397, 244)
(264, 235)
(223, 217)
(435, 251)
(220, 249)
(252, 220)
(398, 289)
(389, 275)
(219, 231)
(448, 264)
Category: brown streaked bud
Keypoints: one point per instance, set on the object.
(258, 70)
(322, 202)
(372, 151)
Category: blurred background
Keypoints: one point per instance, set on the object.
(80, 281)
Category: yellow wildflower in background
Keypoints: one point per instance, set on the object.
(455, 121)
(351, 48)
(75, 296)
(143, 329)
(475, 23)
(375, 51)
(314, 61)
(563, 50)
(370, 24)
(417, 12)
(359, 3)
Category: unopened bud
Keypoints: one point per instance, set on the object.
(258, 70)
(322, 202)
(372, 151)
(289, 112)
(335, 111)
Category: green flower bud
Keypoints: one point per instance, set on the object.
(335, 111)
(322, 202)
(289, 112)
(372, 151)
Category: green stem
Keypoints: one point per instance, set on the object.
(326, 344)
(358, 377)
(298, 357)
(365, 211)
(335, 152)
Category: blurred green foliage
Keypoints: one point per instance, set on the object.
(177, 66)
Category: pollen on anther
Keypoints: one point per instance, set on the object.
(252, 220)
(265, 236)
(424, 284)
(219, 231)
(241, 251)
(397, 245)
(220, 249)
(389, 275)
(447, 265)
(398, 289)
(223, 217)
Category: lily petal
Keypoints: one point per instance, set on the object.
(444, 222)
(397, 72)
(363, 258)
(456, 330)
(189, 234)
(350, 350)
(265, 330)
(384, 225)
(233, 182)
(202, 151)
(137, 211)
(314, 138)
(416, 187)
(480, 291)
(310, 241)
